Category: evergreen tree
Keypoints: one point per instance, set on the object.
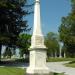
(11, 21)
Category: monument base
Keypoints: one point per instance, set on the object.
(37, 71)
(38, 62)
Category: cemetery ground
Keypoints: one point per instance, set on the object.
(15, 71)
(11, 71)
(71, 64)
(16, 67)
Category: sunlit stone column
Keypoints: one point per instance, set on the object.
(37, 49)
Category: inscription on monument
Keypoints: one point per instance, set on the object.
(38, 40)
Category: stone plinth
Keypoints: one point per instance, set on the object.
(38, 62)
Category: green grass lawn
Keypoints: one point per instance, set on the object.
(71, 64)
(15, 71)
(11, 71)
(60, 59)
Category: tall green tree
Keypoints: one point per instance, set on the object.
(51, 41)
(67, 31)
(11, 21)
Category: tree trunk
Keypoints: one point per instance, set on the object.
(52, 54)
(55, 54)
(0, 51)
(64, 55)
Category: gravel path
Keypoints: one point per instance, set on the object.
(58, 67)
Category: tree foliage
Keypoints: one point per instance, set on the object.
(67, 31)
(24, 43)
(11, 21)
(51, 42)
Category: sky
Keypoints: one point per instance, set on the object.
(51, 13)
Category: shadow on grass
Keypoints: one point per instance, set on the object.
(72, 62)
(15, 63)
(48, 74)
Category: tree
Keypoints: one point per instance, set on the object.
(23, 43)
(52, 44)
(67, 31)
(11, 21)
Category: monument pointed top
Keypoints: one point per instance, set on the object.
(37, 0)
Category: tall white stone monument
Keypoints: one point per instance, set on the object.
(37, 49)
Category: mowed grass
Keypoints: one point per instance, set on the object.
(11, 71)
(16, 71)
(59, 59)
(71, 64)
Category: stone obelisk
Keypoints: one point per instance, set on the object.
(37, 49)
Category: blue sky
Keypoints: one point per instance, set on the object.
(51, 13)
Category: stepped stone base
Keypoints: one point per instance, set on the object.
(38, 71)
(38, 62)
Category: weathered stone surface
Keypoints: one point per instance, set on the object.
(38, 62)
(37, 49)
